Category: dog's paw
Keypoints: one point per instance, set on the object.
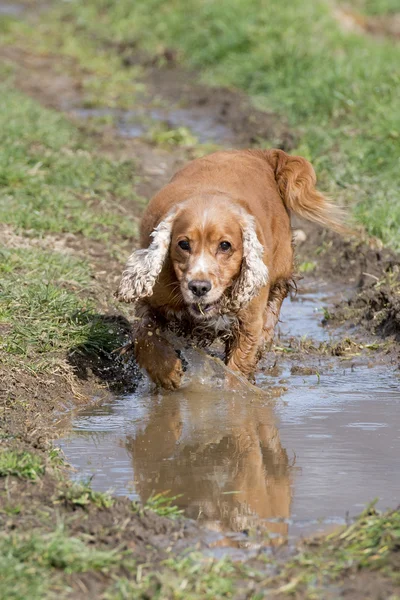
(169, 375)
(159, 359)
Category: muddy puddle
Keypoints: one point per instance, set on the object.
(10, 9)
(301, 456)
(138, 123)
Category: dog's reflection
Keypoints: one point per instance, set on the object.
(222, 454)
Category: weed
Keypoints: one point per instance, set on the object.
(160, 504)
(163, 135)
(21, 464)
(307, 267)
(82, 494)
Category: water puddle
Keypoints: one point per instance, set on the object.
(291, 461)
(11, 9)
(139, 122)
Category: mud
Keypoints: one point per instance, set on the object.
(371, 272)
(381, 26)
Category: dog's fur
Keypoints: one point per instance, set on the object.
(242, 200)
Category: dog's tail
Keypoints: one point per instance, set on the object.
(296, 181)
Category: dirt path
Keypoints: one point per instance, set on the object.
(34, 404)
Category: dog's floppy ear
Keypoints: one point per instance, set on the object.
(144, 265)
(254, 273)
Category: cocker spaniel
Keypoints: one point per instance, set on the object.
(216, 256)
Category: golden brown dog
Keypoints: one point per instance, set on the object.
(216, 255)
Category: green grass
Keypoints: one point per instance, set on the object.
(82, 494)
(51, 180)
(20, 464)
(161, 135)
(161, 504)
(32, 565)
(337, 89)
(370, 543)
(191, 578)
(45, 303)
(104, 80)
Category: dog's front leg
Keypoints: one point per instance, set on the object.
(154, 353)
(243, 350)
(276, 296)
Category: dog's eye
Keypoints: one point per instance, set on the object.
(184, 244)
(225, 246)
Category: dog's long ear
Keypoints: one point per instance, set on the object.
(144, 265)
(254, 273)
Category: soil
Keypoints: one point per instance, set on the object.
(371, 270)
(381, 26)
(31, 404)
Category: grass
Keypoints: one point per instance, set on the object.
(46, 308)
(51, 180)
(337, 89)
(161, 135)
(104, 81)
(370, 543)
(161, 504)
(24, 465)
(32, 564)
(82, 494)
(191, 578)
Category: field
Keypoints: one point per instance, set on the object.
(74, 78)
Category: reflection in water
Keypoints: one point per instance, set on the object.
(222, 455)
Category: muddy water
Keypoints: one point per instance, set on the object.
(10, 9)
(300, 457)
(139, 122)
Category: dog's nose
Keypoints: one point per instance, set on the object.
(199, 287)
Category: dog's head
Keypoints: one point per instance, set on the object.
(213, 247)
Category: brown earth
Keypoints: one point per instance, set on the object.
(31, 405)
(381, 26)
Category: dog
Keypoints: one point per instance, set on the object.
(216, 256)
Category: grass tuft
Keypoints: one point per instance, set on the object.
(161, 504)
(24, 465)
(82, 494)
